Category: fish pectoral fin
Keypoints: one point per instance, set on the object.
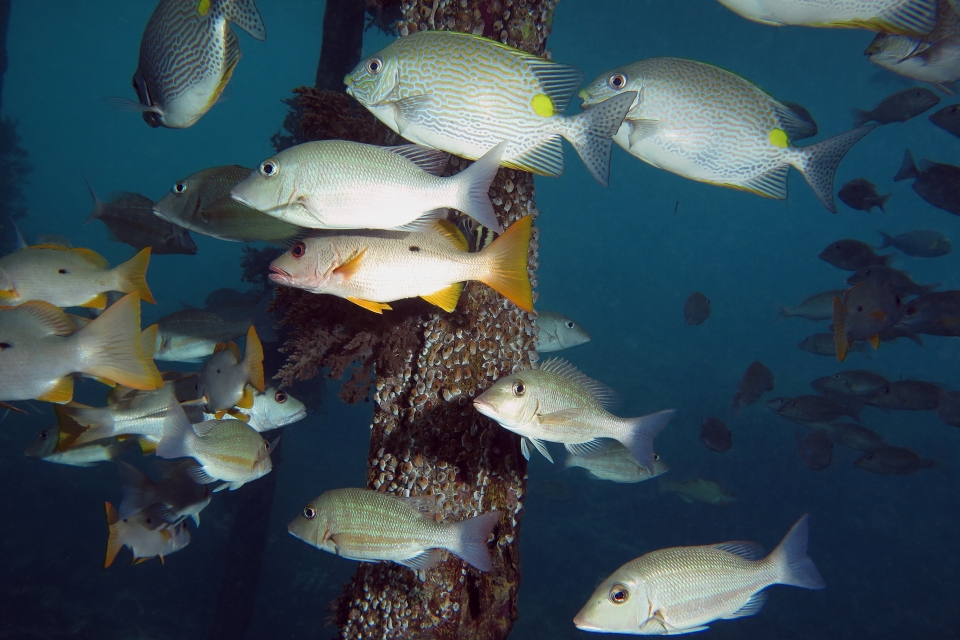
(61, 392)
(352, 265)
(407, 110)
(447, 297)
(200, 476)
(591, 448)
(642, 128)
(196, 520)
(525, 448)
(8, 296)
(98, 301)
(562, 417)
(376, 307)
(751, 607)
(542, 448)
(423, 561)
(225, 485)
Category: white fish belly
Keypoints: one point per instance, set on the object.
(32, 371)
(826, 11)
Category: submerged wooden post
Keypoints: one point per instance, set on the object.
(4, 28)
(342, 42)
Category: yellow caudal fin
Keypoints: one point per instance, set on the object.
(507, 260)
(132, 276)
(253, 361)
(59, 393)
(147, 446)
(148, 340)
(369, 305)
(112, 345)
(447, 297)
(70, 431)
(115, 537)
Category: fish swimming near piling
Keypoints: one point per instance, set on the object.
(558, 332)
(756, 380)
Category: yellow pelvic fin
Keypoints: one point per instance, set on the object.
(98, 301)
(89, 255)
(8, 297)
(352, 265)
(246, 400)
(219, 414)
(69, 429)
(874, 341)
(203, 7)
(253, 362)
(779, 138)
(507, 264)
(376, 307)
(543, 105)
(452, 233)
(147, 446)
(114, 539)
(61, 392)
(447, 297)
(239, 415)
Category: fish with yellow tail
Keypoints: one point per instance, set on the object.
(464, 94)
(146, 533)
(69, 277)
(908, 17)
(374, 268)
(557, 403)
(684, 589)
(41, 349)
(228, 379)
(47, 448)
(371, 526)
(707, 124)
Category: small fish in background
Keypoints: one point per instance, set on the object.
(175, 498)
(715, 435)
(908, 395)
(853, 382)
(807, 127)
(865, 311)
(698, 490)
(69, 277)
(852, 255)
(374, 268)
(558, 332)
(949, 409)
(937, 183)
(819, 306)
(756, 381)
(895, 281)
(899, 107)
(948, 119)
(815, 449)
(558, 403)
(226, 375)
(893, 461)
(936, 313)
(372, 526)
(910, 17)
(46, 448)
(188, 53)
(825, 344)
(617, 464)
(856, 437)
(146, 534)
(129, 218)
(811, 409)
(922, 243)
(191, 335)
(696, 309)
(861, 194)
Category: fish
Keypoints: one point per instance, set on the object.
(710, 125)
(936, 313)
(910, 17)
(684, 589)
(856, 437)
(949, 409)
(756, 380)
(699, 490)
(897, 282)
(465, 94)
(853, 382)
(866, 310)
(825, 344)
(139, 414)
(938, 184)
(819, 306)
(338, 184)
(861, 194)
(202, 203)
(558, 332)
(808, 126)
(40, 349)
(811, 409)
(274, 408)
(715, 435)
(227, 450)
(225, 376)
(617, 464)
(922, 243)
(129, 219)
(893, 461)
(46, 448)
(69, 277)
(175, 498)
(898, 107)
(374, 268)
(190, 335)
(948, 119)
(852, 255)
(696, 310)
(908, 395)
(371, 526)
(188, 53)
(815, 449)
(558, 403)
(934, 59)
(146, 534)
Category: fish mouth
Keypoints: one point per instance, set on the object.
(581, 623)
(239, 198)
(484, 407)
(279, 276)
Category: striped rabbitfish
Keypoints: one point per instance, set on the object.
(187, 55)
(201, 202)
(371, 526)
(707, 124)
(464, 94)
(683, 589)
(910, 17)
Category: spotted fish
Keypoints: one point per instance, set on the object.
(910, 17)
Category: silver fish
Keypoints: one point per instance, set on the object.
(225, 376)
(559, 332)
(912, 17)
(819, 306)
(146, 533)
(191, 335)
(46, 448)
(617, 465)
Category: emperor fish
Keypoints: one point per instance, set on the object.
(187, 54)
(370, 526)
(683, 589)
(225, 376)
(616, 464)
(338, 184)
(911, 17)
(710, 125)
(557, 403)
(376, 267)
(559, 332)
(146, 533)
(46, 447)
(464, 94)
(129, 219)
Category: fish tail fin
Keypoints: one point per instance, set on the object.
(908, 169)
(929, 463)
(887, 240)
(98, 205)
(470, 539)
(473, 184)
(132, 276)
(176, 433)
(244, 14)
(253, 360)
(138, 493)
(639, 435)
(818, 163)
(599, 124)
(860, 117)
(882, 202)
(115, 537)
(796, 568)
(507, 260)
(113, 344)
(93, 424)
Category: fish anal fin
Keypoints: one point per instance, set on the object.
(369, 305)
(246, 400)
(424, 561)
(447, 297)
(751, 607)
(60, 393)
(98, 301)
(874, 341)
(452, 232)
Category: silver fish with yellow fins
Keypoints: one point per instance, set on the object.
(909, 17)
(464, 94)
(371, 526)
(683, 589)
(146, 534)
(225, 377)
(47, 448)
(707, 124)
(374, 268)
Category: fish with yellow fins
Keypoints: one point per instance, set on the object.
(146, 533)
(69, 277)
(907, 17)
(41, 349)
(864, 312)
(226, 375)
(374, 268)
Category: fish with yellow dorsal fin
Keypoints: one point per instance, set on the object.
(226, 374)
(147, 534)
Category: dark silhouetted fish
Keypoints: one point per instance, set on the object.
(815, 449)
(824, 344)
(715, 435)
(819, 306)
(922, 243)
(899, 107)
(697, 309)
(893, 461)
(938, 184)
(949, 409)
(908, 395)
(853, 436)
(936, 313)
(129, 219)
(756, 381)
(897, 282)
(861, 194)
(853, 382)
(948, 119)
(852, 255)
(811, 409)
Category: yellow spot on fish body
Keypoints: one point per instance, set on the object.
(543, 105)
(779, 138)
(203, 7)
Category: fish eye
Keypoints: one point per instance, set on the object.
(656, 457)
(269, 168)
(519, 388)
(298, 250)
(374, 66)
(63, 272)
(180, 188)
(44, 434)
(5, 345)
(617, 81)
(309, 512)
(570, 324)
(619, 593)
(280, 396)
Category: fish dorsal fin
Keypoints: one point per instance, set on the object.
(751, 607)
(52, 318)
(559, 81)
(452, 233)
(60, 393)
(601, 392)
(431, 160)
(746, 550)
(447, 297)
(231, 347)
(369, 305)
(351, 266)
(591, 448)
(202, 429)
(88, 255)
(423, 561)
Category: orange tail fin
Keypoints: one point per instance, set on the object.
(115, 537)
(508, 264)
(253, 360)
(112, 343)
(132, 276)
